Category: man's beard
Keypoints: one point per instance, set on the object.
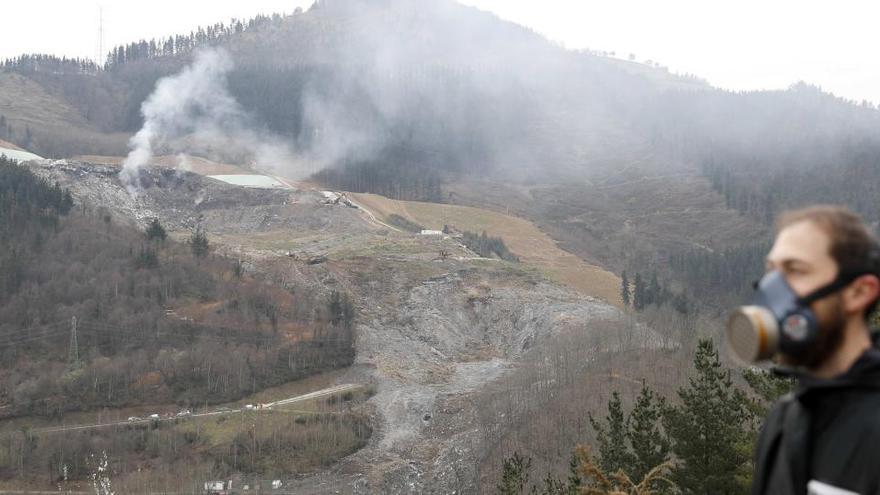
(832, 321)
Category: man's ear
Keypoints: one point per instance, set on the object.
(863, 292)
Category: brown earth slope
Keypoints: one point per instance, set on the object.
(521, 236)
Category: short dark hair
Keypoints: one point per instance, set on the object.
(853, 247)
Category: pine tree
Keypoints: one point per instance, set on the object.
(514, 475)
(768, 386)
(155, 231)
(198, 242)
(639, 293)
(710, 430)
(611, 436)
(574, 477)
(653, 291)
(650, 446)
(624, 289)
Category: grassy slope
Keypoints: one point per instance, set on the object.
(52, 121)
(522, 237)
(24, 101)
(11, 146)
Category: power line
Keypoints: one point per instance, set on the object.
(30, 330)
(98, 329)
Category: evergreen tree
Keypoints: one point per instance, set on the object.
(574, 477)
(611, 435)
(341, 309)
(514, 475)
(198, 242)
(155, 231)
(147, 258)
(650, 446)
(653, 293)
(639, 293)
(552, 486)
(710, 430)
(624, 289)
(768, 386)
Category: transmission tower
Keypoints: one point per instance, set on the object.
(73, 352)
(99, 55)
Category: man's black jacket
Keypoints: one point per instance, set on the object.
(826, 430)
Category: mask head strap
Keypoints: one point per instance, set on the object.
(839, 283)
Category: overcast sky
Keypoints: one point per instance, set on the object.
(742, 44)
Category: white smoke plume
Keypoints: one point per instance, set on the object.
(193, 110)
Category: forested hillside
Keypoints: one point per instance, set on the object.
(399, 97)
(428, 88)
(156, 321)
(656, 176)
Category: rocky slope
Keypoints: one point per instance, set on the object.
(432, 331)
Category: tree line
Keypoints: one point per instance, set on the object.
(488, 246)
(401, 172)
(642, 292)
(727, 273)
(118, 56)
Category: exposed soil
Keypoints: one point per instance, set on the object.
(522, 237)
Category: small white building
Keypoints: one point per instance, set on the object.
(218, 487)
(431, 232)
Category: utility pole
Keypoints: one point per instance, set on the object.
(73, 352)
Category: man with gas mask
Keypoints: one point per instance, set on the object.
(810, 315)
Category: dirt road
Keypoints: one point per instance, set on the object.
(348, 387)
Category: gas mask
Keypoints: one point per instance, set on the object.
(778, 321)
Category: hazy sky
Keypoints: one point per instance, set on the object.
(742, 44)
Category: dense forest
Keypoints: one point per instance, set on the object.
(409, 177)
(722, 275)
(99, 314)
(826, 172)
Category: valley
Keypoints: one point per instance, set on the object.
(392, 247)
(436, 324)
